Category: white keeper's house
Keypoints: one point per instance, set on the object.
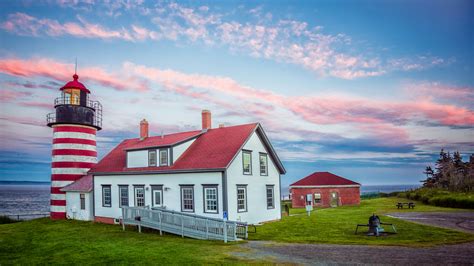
(211, 171)
(207, 172)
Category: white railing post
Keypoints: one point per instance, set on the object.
(207, 229)
(225, 232)
(161, 223)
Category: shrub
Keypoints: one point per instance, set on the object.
(6, 220)
(440, 197)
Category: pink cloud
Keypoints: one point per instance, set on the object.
(43, 67)
(23, 24)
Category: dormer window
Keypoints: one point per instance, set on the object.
(152, 158)
(164, 157)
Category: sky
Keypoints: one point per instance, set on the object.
(369, 90)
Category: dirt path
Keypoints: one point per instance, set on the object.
(461, 254)
(463, 221)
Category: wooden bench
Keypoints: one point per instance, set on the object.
(410, 205)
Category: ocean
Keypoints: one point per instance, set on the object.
(34, 199)
(24, 200)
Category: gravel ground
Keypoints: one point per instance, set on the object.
(463, 221)
(322, 254)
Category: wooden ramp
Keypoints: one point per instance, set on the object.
(183, 224)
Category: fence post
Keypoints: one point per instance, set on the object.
(207, 229)
(225, 232)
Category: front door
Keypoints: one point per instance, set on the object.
(334, 199)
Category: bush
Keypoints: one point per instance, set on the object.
(6, 220)
(440, 197)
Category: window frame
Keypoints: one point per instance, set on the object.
(149, 157)
(167, 157)
(104, 187)
(249, 152)
(272, 187)
(182, 188)
(204, 198)
(314, 198)
(155, 188)
(82, 201)
(135, 187)
(244, 188)
(120, 187)
(260, 163)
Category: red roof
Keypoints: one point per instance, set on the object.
(213, 149)
(74, 84)
(159, 141)
(83, 184)
(324, 179)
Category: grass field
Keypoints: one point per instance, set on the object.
(43, 241)
(337, 225)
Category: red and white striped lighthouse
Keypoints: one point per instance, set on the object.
(74, 124)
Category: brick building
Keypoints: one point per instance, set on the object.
(327, 190)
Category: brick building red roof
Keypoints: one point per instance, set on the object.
(213, 149)
(83, 184)
(324, 179)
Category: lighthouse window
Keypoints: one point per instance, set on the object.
(106, 196)
(152, 158)
(75, 99)
(67, 98)
(163, 157)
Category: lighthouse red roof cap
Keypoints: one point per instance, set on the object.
(324, 179)
(74, 84)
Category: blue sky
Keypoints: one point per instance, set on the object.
(370, 90)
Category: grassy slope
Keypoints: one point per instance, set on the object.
(337, 225)
(43, 242)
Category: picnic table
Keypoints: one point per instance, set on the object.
(410, 205)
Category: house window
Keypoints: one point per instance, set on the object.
(210, 199)
(270, 197)
(187, 198)
(139, 196)
(242, 198)
(163, 157)
(106, 196)
(263, 164)
(123, 195)
(152, 158)
(157, 195)
(82, 197)
(247, 162)
(317, 198)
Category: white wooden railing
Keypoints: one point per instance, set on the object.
(186, 225)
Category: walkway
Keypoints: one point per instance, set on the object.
(310, 254)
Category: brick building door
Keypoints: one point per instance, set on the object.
(334, 199)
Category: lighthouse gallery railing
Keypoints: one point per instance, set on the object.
(186, 225)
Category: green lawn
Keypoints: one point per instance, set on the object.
(337, 225)
(44, 241)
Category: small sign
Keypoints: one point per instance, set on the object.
(224, 215)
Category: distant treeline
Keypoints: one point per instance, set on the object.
(451, 173)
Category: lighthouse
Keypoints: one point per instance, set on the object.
(75, 123)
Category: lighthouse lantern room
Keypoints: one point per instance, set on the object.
(75, 123)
